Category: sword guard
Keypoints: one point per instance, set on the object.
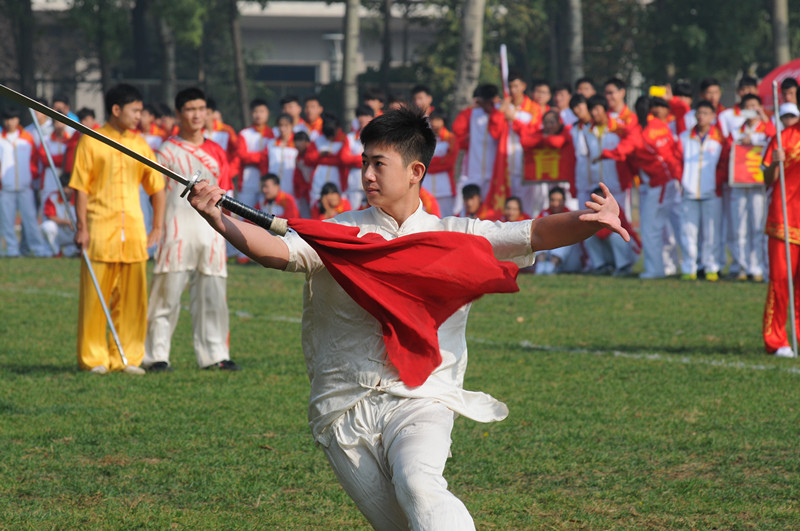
(192, 181)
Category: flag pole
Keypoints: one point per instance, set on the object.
(789, 276)
(73, 225)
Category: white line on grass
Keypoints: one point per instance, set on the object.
(650, 356)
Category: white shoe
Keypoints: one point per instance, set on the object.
(785, 352)
(133, 369)
(100, 369)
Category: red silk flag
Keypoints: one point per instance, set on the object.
(411, 284)
(745, 165)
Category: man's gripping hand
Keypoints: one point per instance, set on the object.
(606, 212)
(204, 198)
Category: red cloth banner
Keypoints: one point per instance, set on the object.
(745, 165)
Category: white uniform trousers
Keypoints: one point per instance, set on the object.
(655, 205)
(569, 260)
(147, 211)
(389, 454)
(748, 215)
(727, 230)
(59, 237)
(609, 253)
(21, 201)
(209, 310)
(702, 231)
(673, 230)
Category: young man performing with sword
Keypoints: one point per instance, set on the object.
(387, 439)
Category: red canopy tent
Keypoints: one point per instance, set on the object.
(790, 69)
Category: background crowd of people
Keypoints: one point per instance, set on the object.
(682, 167)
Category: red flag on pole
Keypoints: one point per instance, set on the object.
(411, 284)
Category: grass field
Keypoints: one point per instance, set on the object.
(633, 404)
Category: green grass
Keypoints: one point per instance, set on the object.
(633, 404)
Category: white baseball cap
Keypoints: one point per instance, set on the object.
(789, 108)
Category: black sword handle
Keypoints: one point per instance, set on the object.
(262, 219)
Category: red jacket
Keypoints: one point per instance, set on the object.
(654, 151)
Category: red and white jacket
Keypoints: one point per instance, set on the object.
(19, 160)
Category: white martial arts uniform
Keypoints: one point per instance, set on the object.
(477, 167)
(190, 252)
(387, 442)
(282, 162)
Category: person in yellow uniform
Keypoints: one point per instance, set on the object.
(111, 230)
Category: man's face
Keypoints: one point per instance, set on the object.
(128, 115)
(375, 105)
(301, 145)
(581, 110)
(146, 119)
(41, 118)
(749, 89)
(485, 104)
(285, 128)
(292, 108)
(586, 90)
(713, 94)
(751, 105)
(659, 112)
(11, 124)
(705, 117)
(789, 95)
(436, 125)
(363, 120)
(423, 100)
(599, 115)
(511, 211)
(562, 98)
(61, 107)
(789, 120)
(259, 115)
(270, 190)
(472, 205)
(313, 110)
(89, 121)
(541, 95)
(209, 118)
(168, 122)
(331, 200)
(384, 176)
(192, 115)
(556, 203)
(614, 96)
(517, 89)
(550, 124)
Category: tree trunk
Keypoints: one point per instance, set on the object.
(469, 54)
(575, 41)
(238, 60)
(141, 53)
(102, 50)
(352, 31)
(169, 79)
(25, 57)
(780, 32)
(386, 59)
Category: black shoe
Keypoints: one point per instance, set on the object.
(159, 366)
(225, 365)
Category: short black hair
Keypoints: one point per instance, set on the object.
(655, 101)
(330, 124)
(617, 82)
(581, 80)
(470, 191)
(188, 94)
(405, 130)
(329, 188)
(121, 95)
(562, 86)
(11, 112)
(597, 101)
(788, 83)
(556, 190)
(576, 100)
(271, 177)
(365, 110)
(83, 112)
(437, 114)
(748, 97)
(396, 98)
(313, 97)
(420, 88)
(486, 91)
(258, 102)
(516, 200)
(708, 82)
(63, 98)
(704, 103)
(289, 98)
(284, 116)
(538, 82)
(682, 88)
(515, 74)
(747, 81)
(211, 103)
(164, 109)
(372, 93)
(151, 108)
(301, 136)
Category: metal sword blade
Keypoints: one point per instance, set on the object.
(88, 131)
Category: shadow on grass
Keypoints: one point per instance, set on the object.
(725, 350)
(26, 369)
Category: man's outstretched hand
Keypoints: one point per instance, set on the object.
(606, 211)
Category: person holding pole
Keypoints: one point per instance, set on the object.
(783, 242)
(111, 229)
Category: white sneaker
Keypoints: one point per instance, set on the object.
(785, 352)
(100, 369)
(133, 369)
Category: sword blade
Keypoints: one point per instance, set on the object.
(88, 131)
